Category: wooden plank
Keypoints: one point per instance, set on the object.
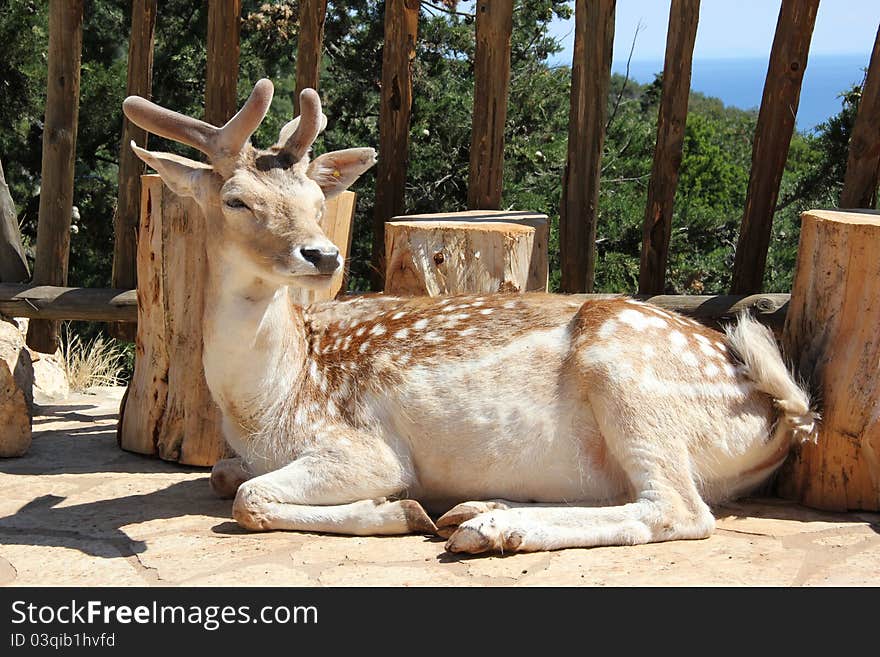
(657, 228)
(309, 46)
(221, 85)
(831, 334)
(863, 163)
(491, 81)
(398, 53)
(13, 263)
(590, 79)
(776, 121)
(97, 304)
(140, 83)
(59, 157)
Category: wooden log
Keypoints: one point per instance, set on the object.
(13, 263)
(68, 303)
(478, 251)
(131, 168)
(831, 333)
(168, 410)
(309, 46)
(863, 164)
(221, 85)
(776, 120)
(657, 228)
(398, 53)
(590, 79)
(59, 156)
(491, 80)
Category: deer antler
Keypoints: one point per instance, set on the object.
(214, 142)
(309, 123)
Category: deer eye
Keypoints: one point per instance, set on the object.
(236, 203)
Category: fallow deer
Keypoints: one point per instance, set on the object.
(542, 422)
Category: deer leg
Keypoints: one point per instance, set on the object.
(227, 475)
(333, 491)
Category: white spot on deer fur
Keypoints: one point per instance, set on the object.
(487, 311)
(640, 321)
(721, 347)
(467, 332)
(401, 334)
(446, 301)
(347, 343)
(403, 359)
(398, 315)
(458, 318)
(313, 370)
(360, 331)
(689, 358)
(300, 415)
(634, 302)
(378, 329)
(648, 351)
(711, 369)
(323, 384)
(478, 302)
(510, 304)
(364, 346)
(729, 369)
(433, 336)
(331, 408)
(707, 348)
(702, 339)
(677, 339)
(421, 324)
(607, 329)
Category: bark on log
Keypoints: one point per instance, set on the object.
(657, 227)
(398, 53)
(590, 79)
(309, 46)
(776, 120)
(99, 304)
(13, 263)
(831, 333)
(168, 410)
(491, 79)
(477, 251)
(863, 163)
(59, 155)
(131, 168)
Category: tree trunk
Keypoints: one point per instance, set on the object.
(13, 264)
(309, 46)
(476, 251)
(831, 334)
(168, 410)
(224, 46)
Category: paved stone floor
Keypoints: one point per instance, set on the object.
(77, 511)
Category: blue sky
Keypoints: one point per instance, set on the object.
(734, 29)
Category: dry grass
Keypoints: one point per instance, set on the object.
(98, 362)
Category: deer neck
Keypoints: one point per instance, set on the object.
(253, 334)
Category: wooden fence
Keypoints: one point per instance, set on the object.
(591, 71)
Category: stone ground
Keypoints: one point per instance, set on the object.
(77, 511)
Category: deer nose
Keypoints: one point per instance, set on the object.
(326, 261)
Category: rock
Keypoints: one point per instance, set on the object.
(50, 382)
(16, 391)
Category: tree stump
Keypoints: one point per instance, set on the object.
(167, 410)
(476, 251)
(831, 335)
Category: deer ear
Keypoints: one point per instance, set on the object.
(337, 170)
(183, 176)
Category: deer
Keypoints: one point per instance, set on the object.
(521, 422)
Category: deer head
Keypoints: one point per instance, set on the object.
(263, 205)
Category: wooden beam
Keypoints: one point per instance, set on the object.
(309, 46)
(13, 263)
(75, 303)
(776, 121)
(491, 81)
(590, 79)
(140, 83)
(398, 53)
(221, 86)
(863, 164)
(657, 228)
(59, 157)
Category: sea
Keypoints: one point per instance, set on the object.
(740, 82)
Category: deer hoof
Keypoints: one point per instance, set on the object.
(449, 521)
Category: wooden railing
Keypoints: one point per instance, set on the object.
(591, 71)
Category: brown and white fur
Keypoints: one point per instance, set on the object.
(540, 421)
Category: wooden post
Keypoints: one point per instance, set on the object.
(398, 53)
(863, 164)
(492, 77)
(59, 157)
(13, 264)
(831, 334)
(168, 410)
(221, 86)
(657, 228)
(776, 120)
(590, 79)
(140, 83)
(476, 251)
(309, 46)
